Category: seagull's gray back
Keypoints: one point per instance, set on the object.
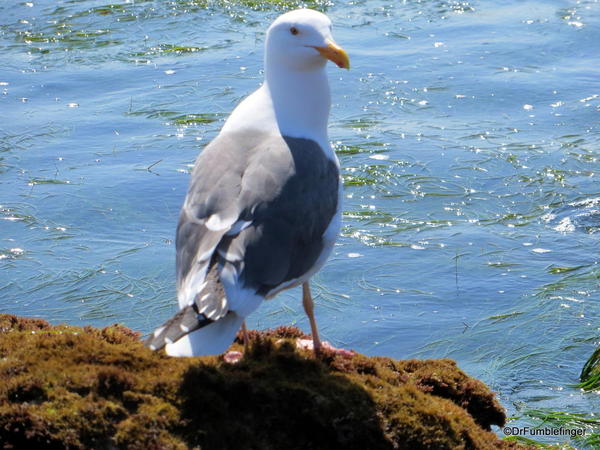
(281, 192)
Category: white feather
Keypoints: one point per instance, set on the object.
(191, 285)
(212, 339)
(237, 227)
(229, 274)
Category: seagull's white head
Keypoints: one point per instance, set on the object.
(301, 40)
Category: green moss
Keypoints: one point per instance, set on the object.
(71, 387)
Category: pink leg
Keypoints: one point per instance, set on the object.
(308, 304)
(233, 357)
(245, 335)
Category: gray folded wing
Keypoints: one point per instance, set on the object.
(261, 205)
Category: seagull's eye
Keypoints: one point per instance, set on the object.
(294, 31)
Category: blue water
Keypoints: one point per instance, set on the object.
(469, 137)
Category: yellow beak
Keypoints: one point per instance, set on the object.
(336, 54)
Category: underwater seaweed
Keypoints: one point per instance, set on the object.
(590, 373)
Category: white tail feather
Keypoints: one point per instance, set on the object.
(212, 339)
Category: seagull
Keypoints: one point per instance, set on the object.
(263, 209)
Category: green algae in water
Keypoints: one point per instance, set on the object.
(71, 387)
(562, 418)
(173, 49)
(579, 278)
(48, 181)
(590, 374)
(257, 5)
(176, 118)
(192, 119)
(569, 420)
(502, 317)
(559, 270)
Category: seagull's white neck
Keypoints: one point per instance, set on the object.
(301, 100)
(291, 103)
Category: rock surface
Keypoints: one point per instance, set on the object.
(70, 387)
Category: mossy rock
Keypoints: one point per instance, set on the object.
(68, 387)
